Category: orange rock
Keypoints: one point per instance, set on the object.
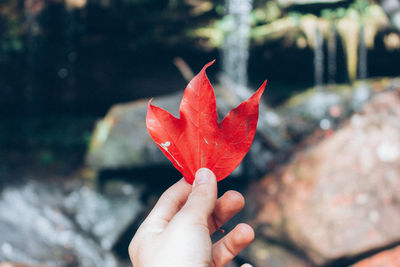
(387, 258)
(337, 198)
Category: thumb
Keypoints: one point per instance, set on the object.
(202, 199)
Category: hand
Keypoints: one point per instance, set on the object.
(177, 231)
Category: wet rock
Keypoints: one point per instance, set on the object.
(42, 224)
(339, 197)
(328, 108)
(121, 140)
(387, 258)
(269, 126)
(260, 253)
(303, 113)
(360, 96)
(105, 216)
(317, 106)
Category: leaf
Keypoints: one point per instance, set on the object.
(196, 139)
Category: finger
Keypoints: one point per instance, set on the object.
(170, 202)
(201, 201)
(226, 207)
(230, 245)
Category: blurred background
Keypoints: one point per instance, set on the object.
(79, 173)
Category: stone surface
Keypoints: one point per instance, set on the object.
(387, 258)
(104, 217)
(340, 196)
(45, 224)
(260, 253)
(269, 126)
(121, 140)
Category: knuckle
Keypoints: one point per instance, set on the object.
(230, 250)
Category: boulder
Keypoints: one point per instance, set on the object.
(261, 253)
(50, 225)
(339, 197)
(121, 140)
(105, 217)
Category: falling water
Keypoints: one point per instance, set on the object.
(362, 57)
(362, 92)
(318, 58)
(235, 52)
(332, 46)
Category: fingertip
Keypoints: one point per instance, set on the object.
(236, 198)
(202, 199)
(231, 244)
(244, 233)
(204, 176)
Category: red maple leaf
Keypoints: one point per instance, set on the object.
(196, 139)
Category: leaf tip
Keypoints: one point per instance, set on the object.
(260, 90)
(208, 64)
(149, 105)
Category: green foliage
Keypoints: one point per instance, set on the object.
(363, 8)
(267, 14)
(11, 25)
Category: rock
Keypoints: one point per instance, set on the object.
(340, 197)
(303, 112)
(260, 253)
(269, 126)
(121, 140)
(105, 217)
(317, 106)
(387, 258)
(37, 225)
(360, 96)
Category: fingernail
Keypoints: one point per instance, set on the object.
(203, 176)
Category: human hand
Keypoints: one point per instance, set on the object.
(177, 231)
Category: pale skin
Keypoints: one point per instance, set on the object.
(177, 231)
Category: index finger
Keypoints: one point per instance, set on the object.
(170, 202)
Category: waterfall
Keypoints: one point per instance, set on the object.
(235, 55)
(318, 58)
(348, 29)
(332, 47)
(235, 52)
(362, 55)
